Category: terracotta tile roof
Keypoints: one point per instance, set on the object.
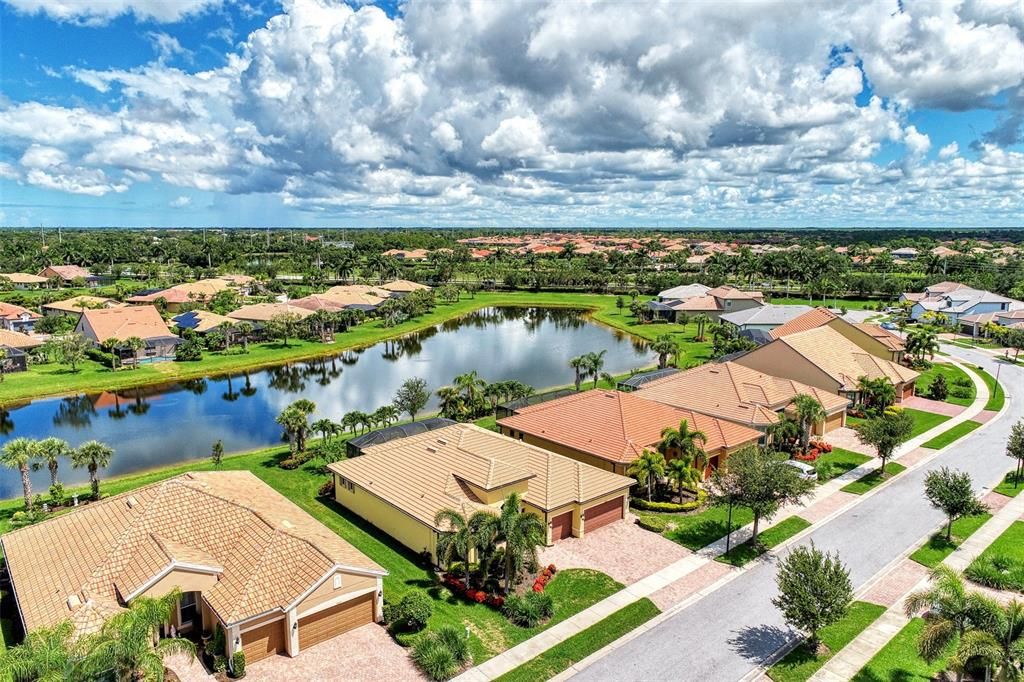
(9, 311)
(428, 472)
(23, 278)
(200, 290)
(732, 293)
(845, 362)
(142, 321)
(812, 319)
(18, 340)
(268, 551)
(883, 336)
(262, 312)
(67, 272)
(731, 391)
(403, 286)
(77, 304)
(618, 426)
(340, 298)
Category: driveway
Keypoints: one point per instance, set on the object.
(737, 625)
(846, 438)
(934, 406)
(623, 550)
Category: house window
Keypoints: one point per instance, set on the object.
(337, 581)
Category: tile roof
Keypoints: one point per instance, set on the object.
(9, 311)
(766, 314)
(403, 286)
(77, 304)
(883, 336)
(143, 321)
(427, 472)
(739, 394)
(262, 312)
(845, 362)
(23, 278)
(67, 272)
(618, 426)
(18, 340)
(684, 292)
(266, 550)
(809, 320)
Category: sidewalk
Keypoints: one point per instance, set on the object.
(855, 655)
(681, 583)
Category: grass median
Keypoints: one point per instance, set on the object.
(874, 479)
(743, 554)
(899, 660)
(938, 547)
(948, 437)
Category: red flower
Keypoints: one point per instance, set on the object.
(551, 567)
(537, 587)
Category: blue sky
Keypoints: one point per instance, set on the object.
(313, 112)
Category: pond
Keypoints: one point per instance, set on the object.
(162, 425)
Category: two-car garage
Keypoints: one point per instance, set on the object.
(602, 514)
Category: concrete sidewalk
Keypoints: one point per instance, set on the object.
(685, 576)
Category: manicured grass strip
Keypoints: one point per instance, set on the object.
(699, 530)
(1010, 544)
(938, 548)
(996, 397)
(839, 461)
(898, 660)
(1008, 488)
(1001, 565)
(952, 374)
(875, 478)
(800, 663)
(923, 421)
(573, 650)
(956, 433)
(773, 537)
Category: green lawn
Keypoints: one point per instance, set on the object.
(923, 421)
(694, 531)
(582, 644)
(800, 663)
(952, 373)
(839, 461)
(55, 379)
(956, 433)
(873, 479)
(848, 303)
(898, 660)
(938, 548)
(768, 539)
(1009, 487)
(996, 397)
(1008, 547)
(490, 633)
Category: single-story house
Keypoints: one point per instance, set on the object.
(407, 254)
(180, 295)
(401, 485)
(824, 358)
(357, 446)
(76, 304)
(260, 313)
(611, 429)
(67, 274)
(975, 324)
(713, 302)
(143, 322)
(870, 337)
(341, 298)
(641, 379)
(764, 318)
(736, 393)
(19, 340)
(15, 318)
(201, 321)
(245, 558)
(683, 292)
(24, 280)
(905, 253)
(401, 287)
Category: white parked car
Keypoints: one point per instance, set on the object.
(806, 471)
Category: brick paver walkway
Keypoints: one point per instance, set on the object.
(915, 456)
(826, 507)
(891, 588)
(934, 406)
(846, 438)
(984, 416)
(186, 670)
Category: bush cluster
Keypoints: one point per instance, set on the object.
(530, 609)
(655, 524)
(410, 614)
(997, 571)
(544, 578)
(458, 587)
(442, 652)
(669, 507)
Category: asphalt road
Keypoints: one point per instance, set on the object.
(728, 633)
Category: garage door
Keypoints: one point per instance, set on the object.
(561, 526)
(266, 640)
(602, 514)
(908, 391)
(323, 625)
(834, 421)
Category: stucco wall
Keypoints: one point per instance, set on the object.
(186, 581)
(409, 531)
(778, 359)
(326, 591)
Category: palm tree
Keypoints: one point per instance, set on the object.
(450, 402)
(809, 412)
(952, 610)
(647, 468)
(47, 655)
(472, 386)
(665, 346)
(93, 455)
(128, 643)
(579, 365)
(227, 329)
(111, 344)
(786, 429)
(701, 319)
(18, 454)
(685, 442)
(921, 343)
(244, 331)
(456, 542)
(523, 534)
(325, 427)
(594, 364)
(999, 644)
(683, 475)
(49, 451)
(878, 392)
(134, 344)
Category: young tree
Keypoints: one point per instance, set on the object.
(758, 479)
(939, 389)
(886, 433)
(952, 493)
(701, 319)
(594, 364)
(579, 366)
(1015, 449)
(458, 540)
(49, 451)
(620, 303)
(70, 349)
(217, 454)
(18, 454)
(683, 475)
(648, 468)
(325, 427)
(689, 444)
(412, 396)
(93, 455)
(808, 412)
(814, 590)
(283, 326)
(111, 345)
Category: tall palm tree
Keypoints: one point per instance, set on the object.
(49, 451)
(523, 534)
(46, 655)
(111, 345)
(472, 387)
(998, 645)
(244, 331)
(683, 475)
(701, 320)
(451, 402)
(579, 365)
(647, 468)
(785, 430)
(878, 392)
(594, 364)
(129, 644)
(18, 454)
(665, 346)
(456, 542)
(134, 344)
(809, 411)
(93, 455)
(325, 427)
(689, 444)
(952, 611)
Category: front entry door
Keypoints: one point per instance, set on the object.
(188, 612)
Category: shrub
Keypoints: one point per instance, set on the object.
(20, 519)
(58, 496)
(411, 613)
(530, 609)
(669, 507)
(220, 663)
(441, 653)
(327, 489)
(998, 572)
(655, 524)
(939, 389)
(188, 351)
(455, 640)
(964, 381)
(958, 391)
(238, 665)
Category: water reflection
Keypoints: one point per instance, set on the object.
(153, 426)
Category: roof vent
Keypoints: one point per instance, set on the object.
(131, 502)
(74, 602)
(442, 441)
(432, 450)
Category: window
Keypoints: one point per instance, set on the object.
(337, 581)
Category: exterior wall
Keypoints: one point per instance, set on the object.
(778, 359)
(546, 517)
(326, 592)
(498, 495)
(186, 581)
(862, 340)
(409, 531)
